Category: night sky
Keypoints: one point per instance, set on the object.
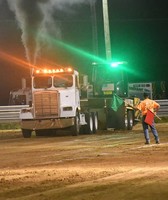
(139, 35)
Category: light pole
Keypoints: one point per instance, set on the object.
(106, 30)
(94, 28)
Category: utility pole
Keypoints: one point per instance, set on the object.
(106, 30)
(94, 28)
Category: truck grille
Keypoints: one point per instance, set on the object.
(46, 104)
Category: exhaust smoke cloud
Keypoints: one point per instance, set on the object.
(35, 19)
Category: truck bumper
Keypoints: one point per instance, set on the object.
(41, 124)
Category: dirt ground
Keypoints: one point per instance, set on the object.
(109, 165)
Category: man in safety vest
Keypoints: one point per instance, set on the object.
(144, 106)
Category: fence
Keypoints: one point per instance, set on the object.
(11, 113)
(163, 111)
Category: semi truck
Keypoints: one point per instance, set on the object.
(61, 101)
(56, 104)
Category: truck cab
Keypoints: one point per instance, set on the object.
(55, 101)
(107, 80)
(55, 93)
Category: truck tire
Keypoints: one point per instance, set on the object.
(89, 121)
(76, 127)
(95, 121)
(26, 133)
(130, 120)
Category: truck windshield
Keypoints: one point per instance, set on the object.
(42, 82)
(63, 80)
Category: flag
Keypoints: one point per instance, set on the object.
(116, 102)
(149, 117)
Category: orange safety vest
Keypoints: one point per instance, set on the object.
(147, 104)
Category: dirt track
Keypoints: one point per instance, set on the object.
(105, 166)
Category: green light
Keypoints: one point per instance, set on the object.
(116, 64)
(98, 60)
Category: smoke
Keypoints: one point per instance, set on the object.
(29, 17)
(35, 19)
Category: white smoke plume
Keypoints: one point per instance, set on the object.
(35, 17)
(29, 17)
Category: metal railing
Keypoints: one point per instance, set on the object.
(11, 113)
(163, 111)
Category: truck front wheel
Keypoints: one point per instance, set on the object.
(26, 133)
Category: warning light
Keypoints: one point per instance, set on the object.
(37, 71)
(54, 71)
(45, 71)
(69, 69)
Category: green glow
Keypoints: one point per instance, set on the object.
(114, 64)
(98, 61)
(79, 51)
(117, 64)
